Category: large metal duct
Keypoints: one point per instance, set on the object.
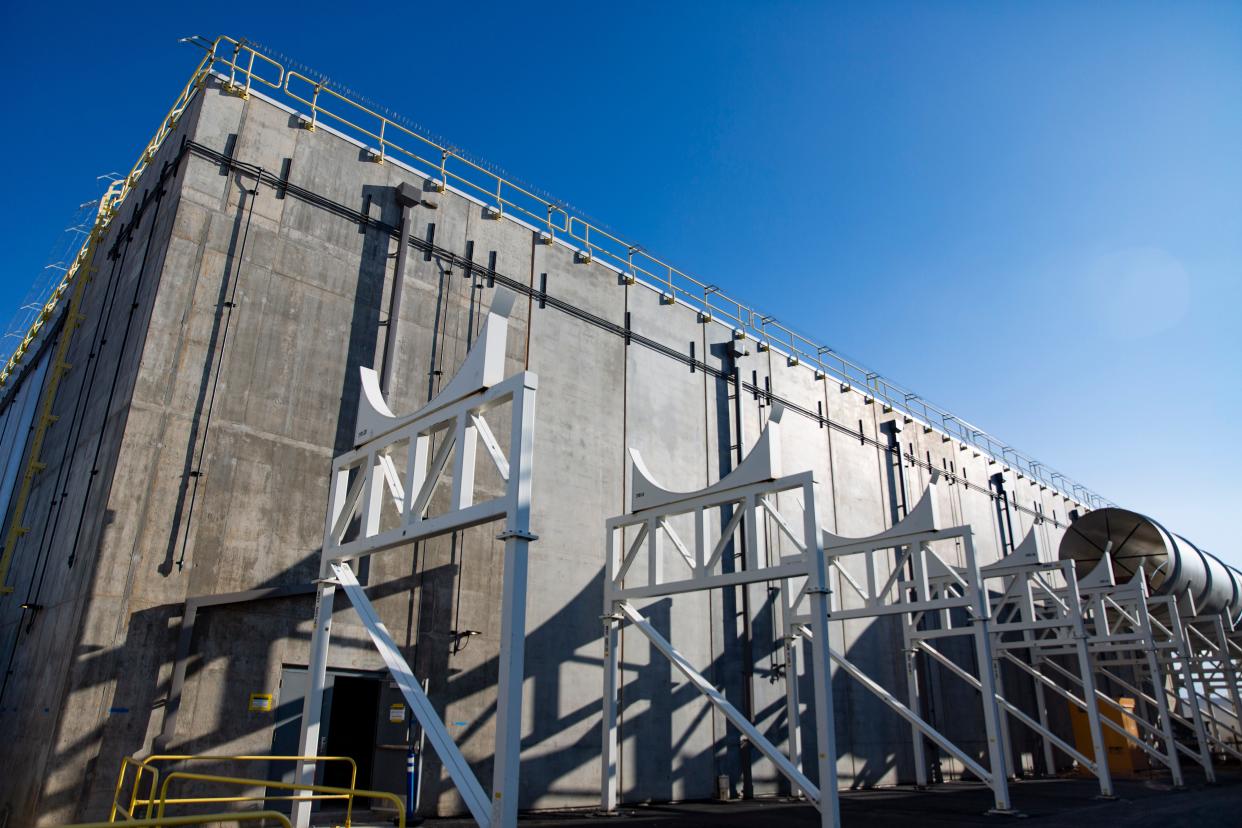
(1174, 565)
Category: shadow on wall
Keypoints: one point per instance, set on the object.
(178, 540)
(130, 726)
(381, 204)
(363, 329)
(141, 669)
(150, 639)
(139, 702)
(42, 666)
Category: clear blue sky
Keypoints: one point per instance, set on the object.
(1029, 213)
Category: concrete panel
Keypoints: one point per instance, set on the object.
(578, 482)
(666, 725)
(872, 737)
(61, 744)
(743, 616)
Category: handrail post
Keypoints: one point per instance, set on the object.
(155, 782)
(133, 791)
(116, 792)
(249, 73)
(233, 65)
(353, 786)
(315, 106)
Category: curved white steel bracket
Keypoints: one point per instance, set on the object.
(741, 509)
(762, 464)
(915, 584)
(400, 460)
(1101, 577)
(483, 367)
(1031, 552)
(923, 518)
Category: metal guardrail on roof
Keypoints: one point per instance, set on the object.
(245, 67)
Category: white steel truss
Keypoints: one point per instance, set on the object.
(1177, 677)
(1132, 649)
(1214, 660)
(741, 506)
(1036, 610)
(382, 498)
(906, 576)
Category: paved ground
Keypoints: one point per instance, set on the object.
(1059, 803)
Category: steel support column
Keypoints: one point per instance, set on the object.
(312, 705)
(517, 537)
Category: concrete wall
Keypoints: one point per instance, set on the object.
(61, 660)
(237, 383)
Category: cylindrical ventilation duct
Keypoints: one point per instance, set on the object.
(1173, 565)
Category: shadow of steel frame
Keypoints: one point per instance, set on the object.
(365, 478)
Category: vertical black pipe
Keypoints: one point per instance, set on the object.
(1003, 513)
(407, 197)
(748, 660)
(899, 506)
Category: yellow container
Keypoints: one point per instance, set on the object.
(1124, 758)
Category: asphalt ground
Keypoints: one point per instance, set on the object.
(1049, 803)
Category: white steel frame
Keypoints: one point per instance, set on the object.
(1180, 666)
(1123, 633)
(367, 477)
(1214, 668)
(1036, 609)
(743, 504)
(906, 577)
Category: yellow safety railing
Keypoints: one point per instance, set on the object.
(140, 768)
(116, 194)
(76, 278)
(390, 138)
(197, 819)
(317, 792)
(147, 765)
(243, 68)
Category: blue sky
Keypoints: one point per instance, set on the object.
(1029, 213)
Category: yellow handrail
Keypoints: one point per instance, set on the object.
(108, 205)
(79, 274)
(677, 285)
(141, 767)
(234, 61)
(350, 793)
(146, 765)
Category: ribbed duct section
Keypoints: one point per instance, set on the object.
(1173, 565)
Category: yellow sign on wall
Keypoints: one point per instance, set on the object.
(260, 702)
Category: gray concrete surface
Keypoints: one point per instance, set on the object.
(228, 336)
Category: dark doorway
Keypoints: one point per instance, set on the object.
(351, 731)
